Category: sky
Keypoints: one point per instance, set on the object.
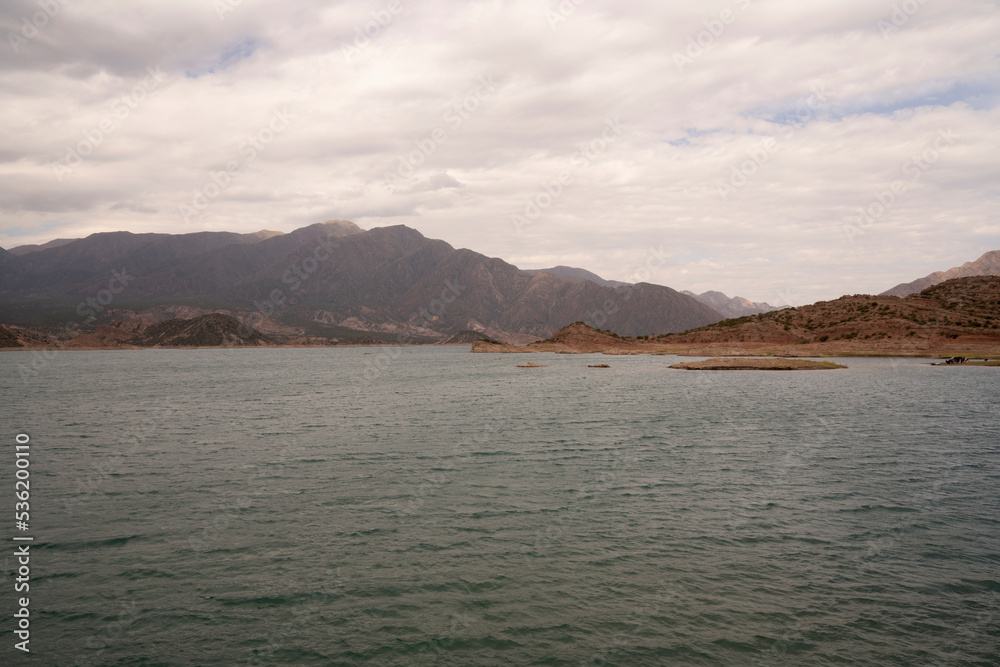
(780, 150)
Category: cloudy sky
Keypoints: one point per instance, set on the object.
(782, 150)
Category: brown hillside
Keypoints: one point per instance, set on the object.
(210, 330)
(957, 317)
(960, 314)
(577, 338)
(9, 338)
(20, 338)
(213, 330)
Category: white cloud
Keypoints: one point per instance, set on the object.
(845, 106)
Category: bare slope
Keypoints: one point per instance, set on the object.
(987, 265)
(325, 278)
(205, 331)
(963, 313)
(960, 316)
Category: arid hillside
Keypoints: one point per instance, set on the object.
(577, 338)
(963, 310)
(987, 265)
(213, 330)
(960, 316)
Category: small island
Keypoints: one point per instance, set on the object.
(751, 364)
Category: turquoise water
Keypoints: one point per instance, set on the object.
(429, 506)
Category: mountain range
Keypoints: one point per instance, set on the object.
(736, 306)
(337, 282)
(987, 265)
(575, 275)
(330, 279)
(25, 249)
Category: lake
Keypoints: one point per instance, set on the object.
(428, 506)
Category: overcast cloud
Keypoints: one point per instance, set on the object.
(741, 137)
